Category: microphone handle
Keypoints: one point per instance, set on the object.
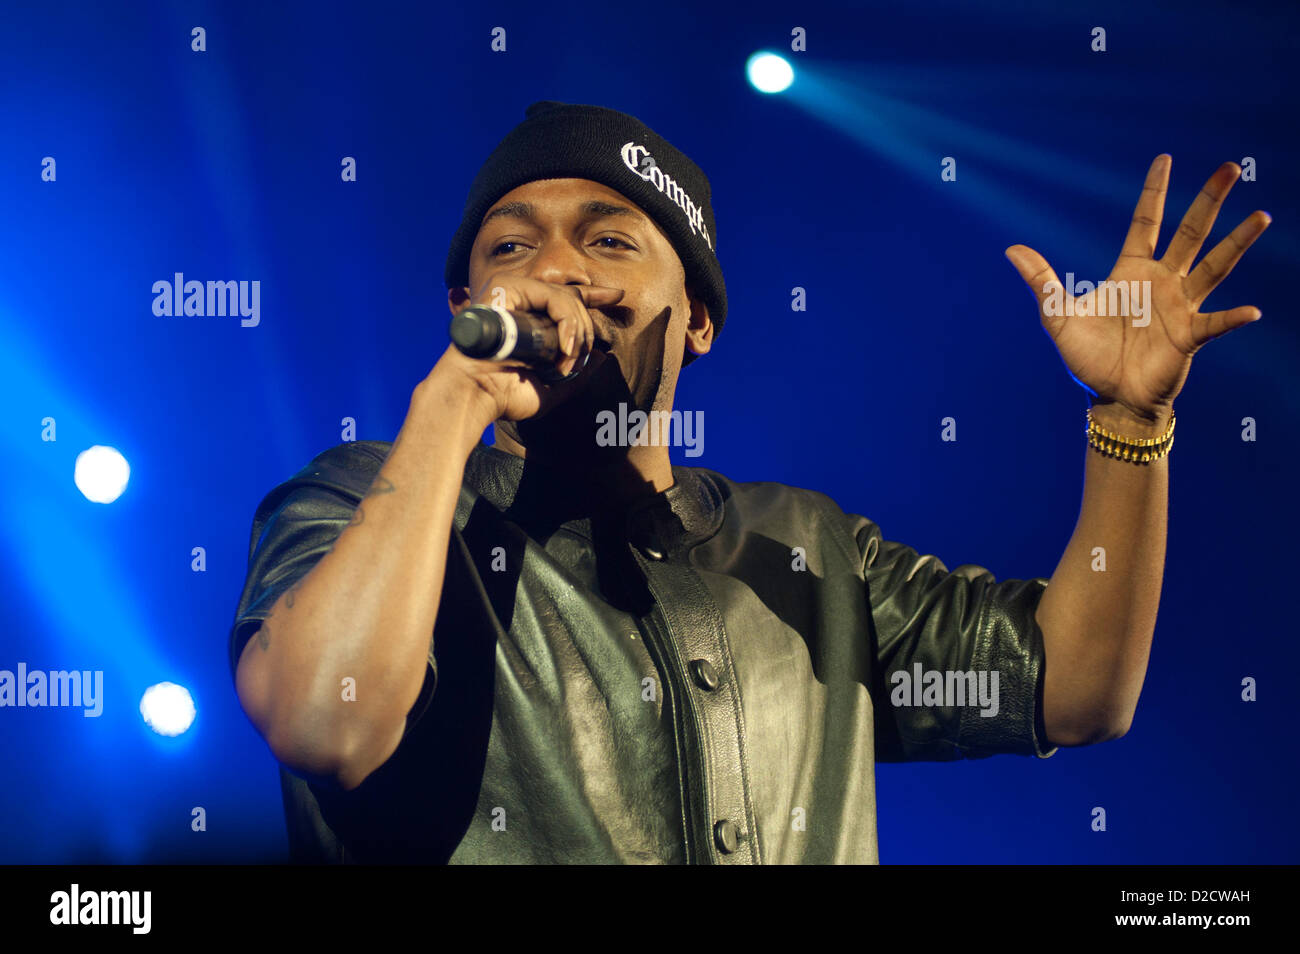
(488, 332)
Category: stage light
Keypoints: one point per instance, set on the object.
(101, 474)
(167, 708)
(769, 73)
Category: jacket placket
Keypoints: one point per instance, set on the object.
(686, 631)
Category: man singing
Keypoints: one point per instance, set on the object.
(561, 648)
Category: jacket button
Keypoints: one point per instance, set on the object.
(706, 677)
(726, 836)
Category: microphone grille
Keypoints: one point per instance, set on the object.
(476, 331)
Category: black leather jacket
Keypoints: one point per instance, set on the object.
(711, 682)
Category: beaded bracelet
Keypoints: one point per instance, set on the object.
(1132, 449)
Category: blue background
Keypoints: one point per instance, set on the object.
(225, 164)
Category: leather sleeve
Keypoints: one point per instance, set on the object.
(294, 526)
(958, 621)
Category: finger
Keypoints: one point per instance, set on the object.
(578, 321)
(1207, 327)
(1038, 275)
(595, 296)
(536, 295)
(565, 360)
(586, 325)
(586, 332)
(1147, 216)
(567, 311)
(569, 326)
(1198, 221)
(589, 298)
(1223, 258)
(591, 330)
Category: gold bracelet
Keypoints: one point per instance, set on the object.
(1135, 450)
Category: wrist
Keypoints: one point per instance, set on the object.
(1129, 422)
(459, 406)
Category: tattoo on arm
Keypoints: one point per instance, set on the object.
(381, 485)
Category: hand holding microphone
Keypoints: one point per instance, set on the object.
(492, 333)
(545, 334)
(540, 336)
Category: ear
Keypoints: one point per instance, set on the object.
(699, 327)
(457, 298)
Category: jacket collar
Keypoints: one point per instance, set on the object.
(668, 523)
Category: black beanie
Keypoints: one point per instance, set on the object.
(565, 140)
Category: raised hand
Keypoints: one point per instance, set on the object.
(1137, 355)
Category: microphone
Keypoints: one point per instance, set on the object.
(485, 331)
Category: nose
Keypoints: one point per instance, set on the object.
(558, 262)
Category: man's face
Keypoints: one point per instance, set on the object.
(575, 231)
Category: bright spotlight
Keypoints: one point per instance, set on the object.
(167, 708)
(769, 73)
(101, 474)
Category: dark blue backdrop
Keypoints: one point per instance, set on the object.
(225, 164)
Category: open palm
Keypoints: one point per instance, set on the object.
(1138, 354)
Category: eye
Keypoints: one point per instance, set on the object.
(497, 250)
(497, 253)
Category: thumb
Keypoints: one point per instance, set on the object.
(1035, 271)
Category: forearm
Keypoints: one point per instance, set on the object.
(367, 609)
(1097, 623)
